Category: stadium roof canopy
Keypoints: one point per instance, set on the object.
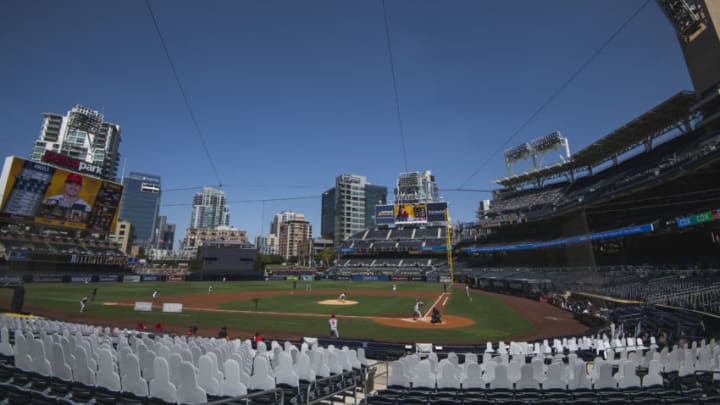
(648, 126)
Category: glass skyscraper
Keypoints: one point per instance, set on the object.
(349, 207)
(140, 206)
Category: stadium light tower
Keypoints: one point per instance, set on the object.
(697, 23)
(549, 143)
(514, 155)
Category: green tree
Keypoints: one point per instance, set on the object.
(263, 260)
(325, 257)
(195, 264)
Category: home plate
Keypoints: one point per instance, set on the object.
(412, 320)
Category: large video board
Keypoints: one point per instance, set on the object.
(410, 213)
(47, 195)
(436, 212)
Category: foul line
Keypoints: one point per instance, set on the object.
(239, 311)
(437, 301)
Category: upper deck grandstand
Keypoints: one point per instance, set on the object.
(410, 236)
(661, 176)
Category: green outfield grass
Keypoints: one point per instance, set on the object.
(493, 319)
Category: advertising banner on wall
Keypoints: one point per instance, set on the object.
(436, 212)
(384, 214)
(47, 278)
(16, 256)
(9, 279)
(151, 277)
(131, 278)
(48, 195)
(361, 277)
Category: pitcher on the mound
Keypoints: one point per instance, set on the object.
(417, 312)
(342, 297)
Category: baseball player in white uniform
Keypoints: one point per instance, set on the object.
(333, 326)
(417, 312)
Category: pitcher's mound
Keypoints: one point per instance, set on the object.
(337, 302)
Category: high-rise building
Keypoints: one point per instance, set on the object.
(122, 235)
(327, 214)
(374, 195)
(219, 236)
(209, 209)
(349, 207)
(293, 233)
(165, 234)
(270, 244)
(140, 205)
(413, 187)
(267, 244)
(81, 140)
(281, 217)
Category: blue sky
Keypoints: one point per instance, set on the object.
(290, 94)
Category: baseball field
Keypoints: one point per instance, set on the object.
(277, 309)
